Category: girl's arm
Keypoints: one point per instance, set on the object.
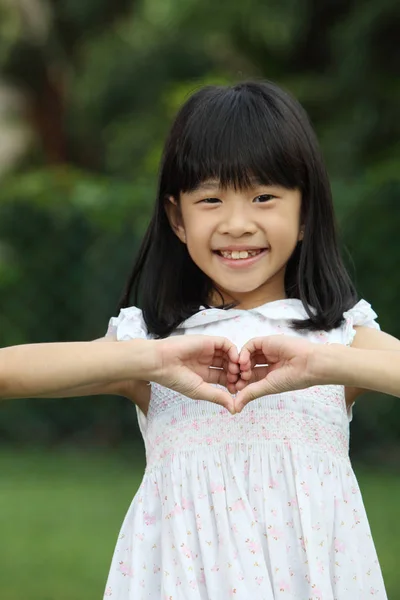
(377, 370)
(370, 339)
(127, 388)
(190, 365)
(72, 368)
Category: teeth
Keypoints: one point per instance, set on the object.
(237, 255)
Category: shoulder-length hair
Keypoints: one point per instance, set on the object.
(231, 134)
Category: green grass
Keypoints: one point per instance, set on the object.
(59, 520)
(60, 514)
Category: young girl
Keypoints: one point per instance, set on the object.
(251, 494)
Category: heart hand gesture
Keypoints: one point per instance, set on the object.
(189, 364)
(272, 365)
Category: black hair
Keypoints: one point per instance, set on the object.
(231, 134)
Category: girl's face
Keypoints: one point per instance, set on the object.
(242, 240)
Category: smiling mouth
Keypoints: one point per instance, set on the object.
(239, 254)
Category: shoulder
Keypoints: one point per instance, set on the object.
(359, 321)
(360, 315)
(128, 325)
(361, 330)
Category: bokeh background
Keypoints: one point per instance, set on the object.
(87, 93)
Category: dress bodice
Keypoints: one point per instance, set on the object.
(316, 417)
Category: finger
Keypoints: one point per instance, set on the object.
(233, 368)
(224, 363)
(255, 374)
(233, 354)
(212, 394)
(232, 388)
(244, 357)
(240, 385)
(226, 346)
(246, 375)
(255, 344)
(252, 392)
(257, 361)
(232, 377)
(220, 377)
(270, 347)
(222, 359)
(254, 358)
(265, 349)
(252, 376)
(247, 372)
(215, 347)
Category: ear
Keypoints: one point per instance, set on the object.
(301, 234)
(174, 216)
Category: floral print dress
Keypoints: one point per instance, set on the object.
(261, 505)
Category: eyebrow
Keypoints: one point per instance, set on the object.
(214, 184)
(205, 185)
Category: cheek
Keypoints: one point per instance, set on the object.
(197, 248)
(195, 240)
(197, 235)
(283, 229)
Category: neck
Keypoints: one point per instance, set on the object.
(246, 301)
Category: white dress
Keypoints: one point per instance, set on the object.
(261, 505)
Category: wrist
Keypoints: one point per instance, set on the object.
(140, 359)
(329, 365)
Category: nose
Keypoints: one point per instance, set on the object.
(237, 222)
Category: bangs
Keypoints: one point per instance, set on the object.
(236, 136)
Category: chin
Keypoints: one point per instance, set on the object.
(238, 289)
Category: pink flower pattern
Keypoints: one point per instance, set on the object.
(264, 504)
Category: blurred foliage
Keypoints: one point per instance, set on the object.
(102, 81)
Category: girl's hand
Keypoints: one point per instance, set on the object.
(189, 364)
(272, 365)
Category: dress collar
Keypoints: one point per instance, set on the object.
(285, 309)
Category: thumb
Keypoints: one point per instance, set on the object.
(252, 392)
(205, 391)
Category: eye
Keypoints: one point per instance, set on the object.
(263, 198)
(209, 201)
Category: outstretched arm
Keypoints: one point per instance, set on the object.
(71, 368)
(377, 370)
(189, 365)
(368, 338)
(127, 389)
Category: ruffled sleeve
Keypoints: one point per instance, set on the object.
(128, 325)
(361, 315)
